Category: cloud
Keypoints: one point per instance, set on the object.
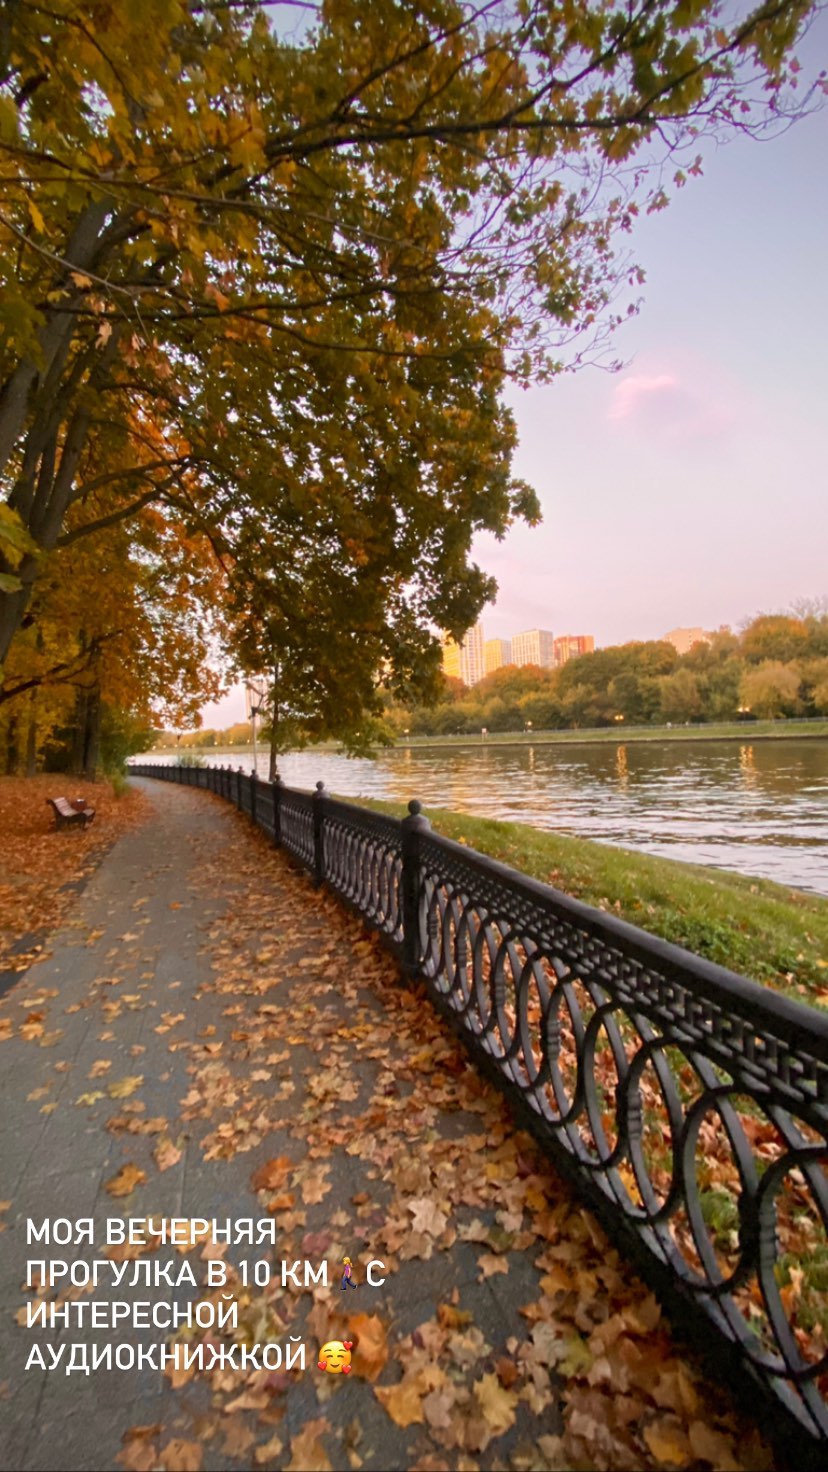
(669, 409)
(631, 393)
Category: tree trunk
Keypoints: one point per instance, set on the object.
(78, 731)
(31, 738)
(11, 746)
(92, 734)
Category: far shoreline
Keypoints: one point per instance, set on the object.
(809, 730)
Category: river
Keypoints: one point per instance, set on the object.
(759, 808)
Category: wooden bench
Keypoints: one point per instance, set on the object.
(70, 812)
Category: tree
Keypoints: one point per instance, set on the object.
(771, 689)
(245, 269)
(681, 698)
(774, 637)
(118, 624)
(815, 684)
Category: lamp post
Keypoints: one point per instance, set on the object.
(255, 691)
(529, 728)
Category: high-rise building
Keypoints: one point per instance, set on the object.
(683, 640)
(535, 647)
(465, 661)
(497, 653)
(570, 646)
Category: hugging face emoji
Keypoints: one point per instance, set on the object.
(335, 1356)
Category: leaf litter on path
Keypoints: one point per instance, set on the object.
(538, 1346)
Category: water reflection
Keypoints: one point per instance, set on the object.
(747, 766)
(759, 808)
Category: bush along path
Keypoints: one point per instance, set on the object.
(212, 1038)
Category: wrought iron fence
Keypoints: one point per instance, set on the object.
(688, 1105)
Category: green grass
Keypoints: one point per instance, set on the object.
(762, 930)
(745, 731)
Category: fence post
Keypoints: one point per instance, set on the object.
(277, 811)
(253, 781)
(239, 788)
(318, 815)
(412, 829)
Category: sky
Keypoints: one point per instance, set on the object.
(689, 489)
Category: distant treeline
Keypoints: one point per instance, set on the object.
(778, 666)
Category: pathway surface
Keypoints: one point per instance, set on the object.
(211, 1038)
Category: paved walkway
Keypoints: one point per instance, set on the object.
(211, 1038)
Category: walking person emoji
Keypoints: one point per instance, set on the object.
(347, 1279)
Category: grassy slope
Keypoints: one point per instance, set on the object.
(760, 929)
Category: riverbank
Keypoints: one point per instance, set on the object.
(743, 731)
(774, 935)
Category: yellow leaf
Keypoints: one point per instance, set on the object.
(668, 1443)
(36, 217)
(713, 1447)
(403, 1402)
(496, 1404)
(123, 1087)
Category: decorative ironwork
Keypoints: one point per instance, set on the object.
(688, 1104)
(362, 861)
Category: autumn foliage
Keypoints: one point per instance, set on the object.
(263, 282)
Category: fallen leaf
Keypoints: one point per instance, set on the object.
(128, 1177)
(268, 1451)
(497, 1405)
(371, 1352)
(403, 1402)
(181, 1456)
(713, 1447)
(668, 1443)
(307, 1454)
(123, 1087)
(165, 1154)
(491, 1263)
(428, 1218)
(272, 1175)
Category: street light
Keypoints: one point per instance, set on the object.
(528, 727)
(619, 718)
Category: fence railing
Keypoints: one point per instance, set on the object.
(688, 1105)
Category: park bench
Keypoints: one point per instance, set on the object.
(71, 812)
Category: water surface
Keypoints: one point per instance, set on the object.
(758, 808)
